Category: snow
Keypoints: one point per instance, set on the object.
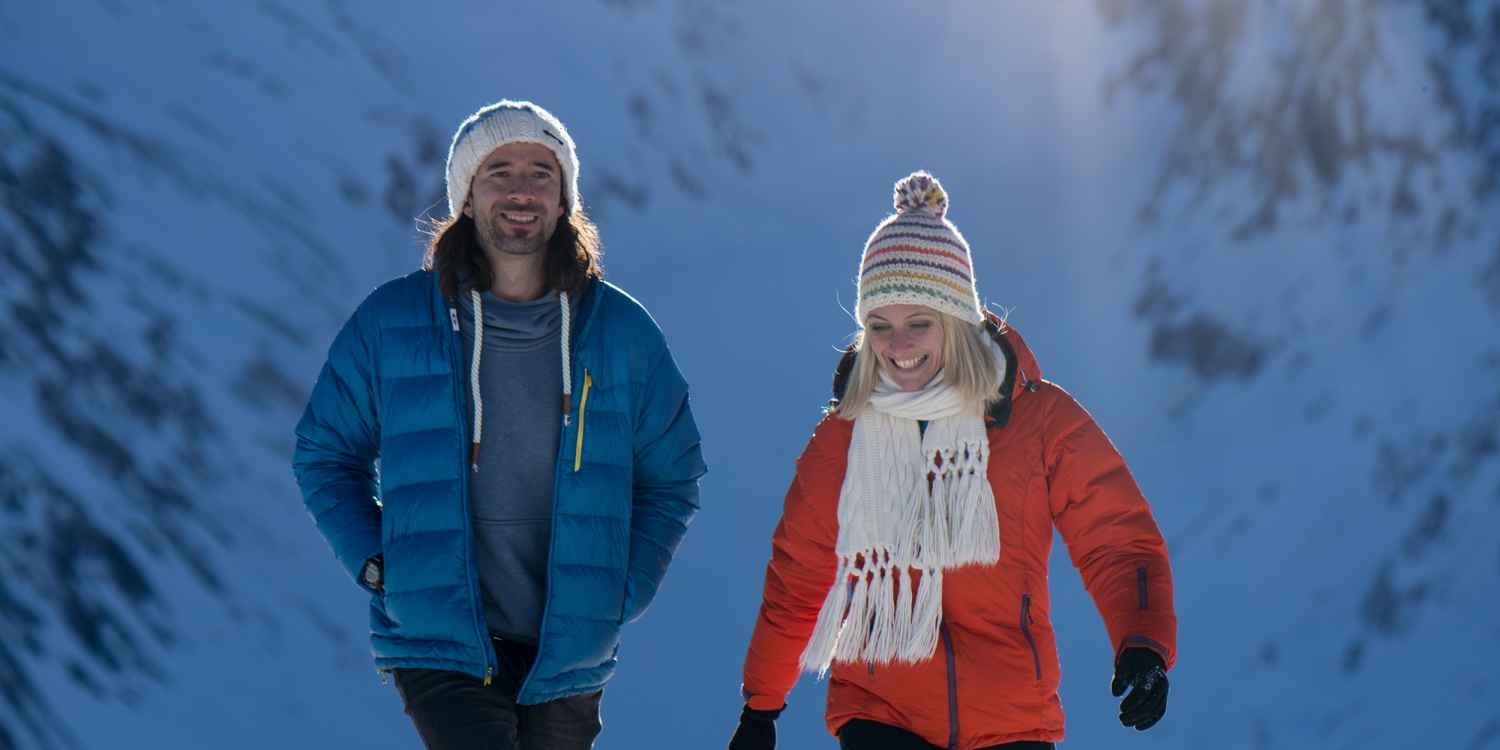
(256, 169)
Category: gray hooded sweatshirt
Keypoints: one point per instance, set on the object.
(520, 381)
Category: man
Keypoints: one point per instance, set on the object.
(529, 439)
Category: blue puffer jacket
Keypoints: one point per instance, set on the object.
(389, 418)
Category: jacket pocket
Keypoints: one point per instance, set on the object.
(381, 622)
(1036, 657)
(1142, 592)
(583, 406)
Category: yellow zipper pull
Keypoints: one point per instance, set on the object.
(583, 402)
(489, 675)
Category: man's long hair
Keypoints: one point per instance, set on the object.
(572, 259)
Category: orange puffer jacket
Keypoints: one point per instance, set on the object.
(995, 674)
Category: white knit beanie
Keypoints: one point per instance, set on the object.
(917, 256)
(503, 122)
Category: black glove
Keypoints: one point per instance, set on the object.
(1144, 671)
(757, 730)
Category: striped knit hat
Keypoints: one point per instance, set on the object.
(917, 256)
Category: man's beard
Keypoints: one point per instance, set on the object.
(494, 239)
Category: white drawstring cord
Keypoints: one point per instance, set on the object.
(474, 380)
(567, 399)
(567, 365)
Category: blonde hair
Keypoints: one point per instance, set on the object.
(968, 365)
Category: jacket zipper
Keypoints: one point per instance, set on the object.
(1036, 658)
(541, 639)
(952, 687)
(557, 475)
(460, 402)
(583, 405)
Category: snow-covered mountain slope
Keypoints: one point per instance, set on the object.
(1259, 242)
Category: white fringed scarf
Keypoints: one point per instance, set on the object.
(891, 524)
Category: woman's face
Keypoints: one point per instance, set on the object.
(907, 341)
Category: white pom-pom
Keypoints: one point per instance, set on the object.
(920, 191)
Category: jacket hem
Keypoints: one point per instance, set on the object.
(384, 663)
(970, 743)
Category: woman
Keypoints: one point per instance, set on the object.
(911, 557)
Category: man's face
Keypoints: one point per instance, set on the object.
(515, 199)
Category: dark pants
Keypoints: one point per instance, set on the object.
(871, 735)
(454, 711)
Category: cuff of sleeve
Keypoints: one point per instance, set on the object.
(764, 703)
(355, 562)
(1141, 641)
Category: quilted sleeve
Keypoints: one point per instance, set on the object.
(802, 567)
(668, 464)
(1110, 533)
(337, 441)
